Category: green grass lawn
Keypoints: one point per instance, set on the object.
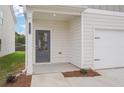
(11, 64)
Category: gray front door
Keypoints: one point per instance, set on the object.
(42, 46)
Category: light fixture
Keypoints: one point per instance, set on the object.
(54, 14)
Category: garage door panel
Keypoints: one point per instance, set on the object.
(109, 48)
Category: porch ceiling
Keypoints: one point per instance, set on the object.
(52, 16)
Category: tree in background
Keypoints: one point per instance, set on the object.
(19, 38)
(19, 42)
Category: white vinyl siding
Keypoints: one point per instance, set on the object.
(75, 41)
(59, 39)
(7, 31)
(92, 22)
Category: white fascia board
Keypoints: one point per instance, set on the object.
(104, 12)
(25, 11)
(58, 12)
(81, 7)
(77, 10)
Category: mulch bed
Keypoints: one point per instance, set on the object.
(22, 81)
(90, 73)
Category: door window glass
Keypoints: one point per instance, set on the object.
(43, 41)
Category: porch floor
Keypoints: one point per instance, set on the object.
(53, 68)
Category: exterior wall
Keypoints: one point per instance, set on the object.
(59, 39)
(90, 23)
(7, 31)
(75, 41)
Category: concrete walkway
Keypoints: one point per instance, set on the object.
(52, 68)
(110, 77)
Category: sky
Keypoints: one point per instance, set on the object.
(20, 19)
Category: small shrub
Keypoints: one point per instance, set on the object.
(11, 79)
(83, 71)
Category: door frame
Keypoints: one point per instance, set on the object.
(35, 47)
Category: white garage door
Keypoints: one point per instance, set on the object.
(108, 48)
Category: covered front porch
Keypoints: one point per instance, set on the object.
(53, 68)
(55, 39)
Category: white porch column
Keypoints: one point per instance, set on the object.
(29, 44)
(86, 43)
(82, 40)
